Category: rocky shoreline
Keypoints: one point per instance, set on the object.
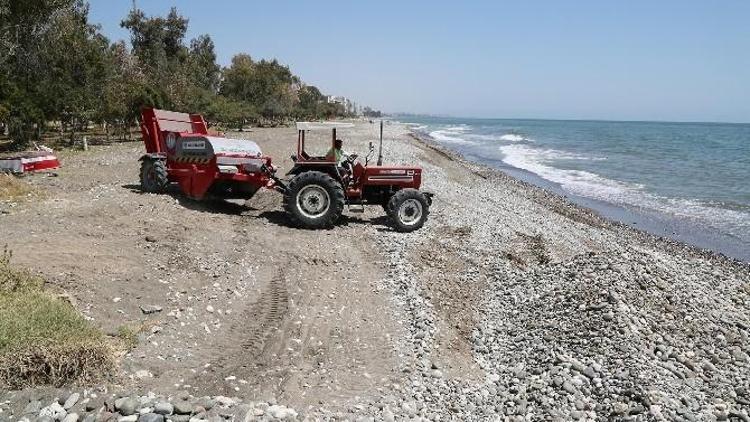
(93, 406)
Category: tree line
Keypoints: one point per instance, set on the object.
(59, 73)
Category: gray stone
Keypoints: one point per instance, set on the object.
(206, 402)
(163, 408)
(589, 372)
(739, 415)
(619, 408)
(388, 415)
(569, 387)
(45, 419)
(89, 418)
(34, 407)
(409, 407)
(127, 405)
(181, 418)
(71, 401)
(637, 409)
(151, 417)
(129, 418)
(54, 411)
(72, 417)
(105, 416)
(183, 407)
(150, 309)
(93, 405)
(281, 412)
(225, 401)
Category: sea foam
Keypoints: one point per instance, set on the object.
(512, 137)
(591, 185)
(452, 135)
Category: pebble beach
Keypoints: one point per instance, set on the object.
(511, 303)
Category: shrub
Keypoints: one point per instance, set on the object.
(43, 339)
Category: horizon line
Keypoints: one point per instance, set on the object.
(448, 116)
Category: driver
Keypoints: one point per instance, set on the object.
(336, 153)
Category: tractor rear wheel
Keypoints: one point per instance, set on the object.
(154, 176)
(408, 209)
(314, 200)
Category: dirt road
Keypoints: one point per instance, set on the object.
(250, 307)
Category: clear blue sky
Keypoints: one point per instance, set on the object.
(683, 60)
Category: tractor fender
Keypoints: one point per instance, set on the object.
(153, 156)
(329, 170)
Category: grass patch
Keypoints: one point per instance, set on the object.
(129, 335)
(13, 188)
(43, 339)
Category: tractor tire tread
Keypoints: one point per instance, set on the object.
(335, 190)
(161, 177)
(397, 199)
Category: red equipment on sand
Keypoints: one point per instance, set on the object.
(180, 149)
(30, 161)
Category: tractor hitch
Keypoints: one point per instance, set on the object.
(279, 184)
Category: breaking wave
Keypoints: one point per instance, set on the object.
(452, 135)
(513, 137)
(591, 185)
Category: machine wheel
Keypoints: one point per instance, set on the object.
(154, 176)
(314, 200)
(408, 209)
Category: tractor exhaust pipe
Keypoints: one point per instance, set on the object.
(380, 148)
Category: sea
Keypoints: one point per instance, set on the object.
(687, 181)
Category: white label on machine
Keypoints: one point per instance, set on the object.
(194, 145)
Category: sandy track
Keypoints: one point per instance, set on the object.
(250, 306)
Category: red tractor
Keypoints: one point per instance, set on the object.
(180, 149)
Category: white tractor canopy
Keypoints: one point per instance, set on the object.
(323, 125)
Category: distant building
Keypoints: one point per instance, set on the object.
(349, 105)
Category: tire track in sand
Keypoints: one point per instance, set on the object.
(247, 340)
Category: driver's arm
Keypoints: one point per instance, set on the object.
(331, 154)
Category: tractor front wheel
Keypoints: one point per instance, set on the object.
(314, 200)
(154, 176)
(408, 209)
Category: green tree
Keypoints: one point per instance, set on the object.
(205, 71)
(76, 70)
(269, 86)
(157, 41)
(310, 102)
(230, 113)
(51, 63)
(238, 78)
